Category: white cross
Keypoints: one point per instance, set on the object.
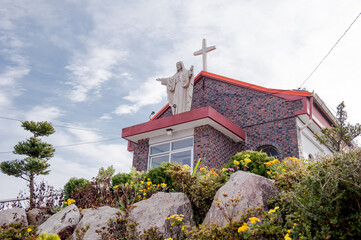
(204, 52)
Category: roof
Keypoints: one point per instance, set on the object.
(190, 119)
(289, 95)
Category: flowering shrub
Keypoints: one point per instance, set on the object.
(72, 184)
(250, 161)
(17, 231)
(158, 175)
(200, 189)
(121, 178)
(176, 225)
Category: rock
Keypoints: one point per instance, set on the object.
(14, 215)
(96, 219)
(66, 217)
(37, 216)
(153, 211)
(255, 190)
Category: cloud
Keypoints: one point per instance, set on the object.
(43, 113)
(151, 92)
(91, 69)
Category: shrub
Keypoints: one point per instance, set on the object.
(46, 236)
(328, 199)
(250, 161)
(158, 174)
(121, 178)
(200, 189)
(72, 184)
(17, 231)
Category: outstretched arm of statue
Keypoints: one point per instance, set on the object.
(163, 81)
(190, 72)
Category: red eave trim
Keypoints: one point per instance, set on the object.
(196, 114)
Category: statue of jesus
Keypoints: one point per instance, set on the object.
(180, 89)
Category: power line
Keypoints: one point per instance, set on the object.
(76, 144)
(323, 59)
(63, 126)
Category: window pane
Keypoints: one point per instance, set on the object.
(182, 144)
(182, 158)
(159, 148)
(156, 161)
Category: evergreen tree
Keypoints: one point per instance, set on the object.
(341, 133)
(38, 154)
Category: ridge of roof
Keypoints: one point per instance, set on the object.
(276, 92)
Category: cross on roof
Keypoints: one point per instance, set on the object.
(204, 52)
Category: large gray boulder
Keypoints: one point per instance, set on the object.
(37, 216)
(68, 216)
(153, 211)
(96, 219)
(255, 190)
(14, 215)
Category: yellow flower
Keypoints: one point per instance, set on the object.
(277, 208)
(224, 169)
(243, 228)
(183, 227)
(247, 160)
(287, 237)
(131, 182)
(247, 155)
(141, 182)
(235, 162)
(289, 230)
(144, 194)
(268, 172)
(271, 211)
(164, 185)
(168, 239)
(283, 169)
(149, 183)
(268, 163)
(70, 201)
(115, 187)
(254, 219)
(29, 230)
(139, 196)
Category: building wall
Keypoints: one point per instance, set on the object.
(140, 155)
(267, 119)
(213, 147)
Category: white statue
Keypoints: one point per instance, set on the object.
(180, 89)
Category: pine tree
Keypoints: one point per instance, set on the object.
(38, 154)
(341, 133)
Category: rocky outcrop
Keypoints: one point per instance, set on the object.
(68, 216)
(37, 216)
(255, 190)
(96, 219)
(153, 211)
(14, 215)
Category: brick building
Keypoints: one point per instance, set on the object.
(228, 116)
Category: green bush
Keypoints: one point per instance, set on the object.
(46, 236)
(158, 175)
(72, 184)
(17, 231)
(121, 178)
(250, 161)
(328, 200)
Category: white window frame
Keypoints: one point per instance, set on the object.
(171, 151)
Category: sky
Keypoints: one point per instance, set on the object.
(89, 67)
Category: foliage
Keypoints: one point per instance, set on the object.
(38, 153)
(250, 161)
(119, 228)
(17, 231)
(158, 175)
(200, 189)
(46, 236)
(328, 200)
(121, 178)
(72, 184)
(45, 197)
(67, 232)
(341, 134)
(104, 176)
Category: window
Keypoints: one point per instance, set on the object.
(269, 149)
(179, 151)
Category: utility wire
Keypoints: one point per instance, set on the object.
(63, 126)
(323, 59)
(76, 144)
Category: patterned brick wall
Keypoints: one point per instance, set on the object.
(140, 155)
(213, 147)
(267, 119)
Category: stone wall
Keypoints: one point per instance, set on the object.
(140, 155)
